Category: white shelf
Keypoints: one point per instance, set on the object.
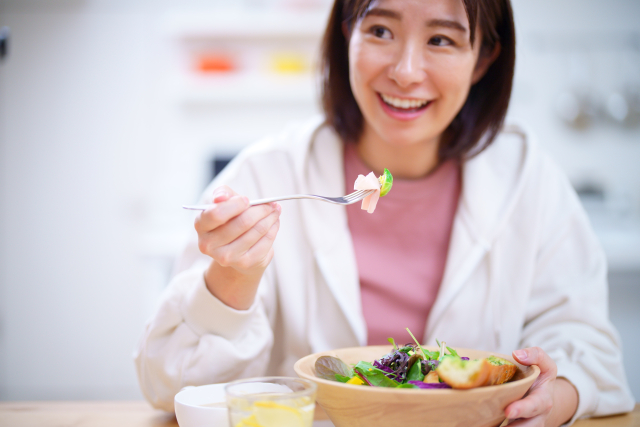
(247, 89)
(235, 24)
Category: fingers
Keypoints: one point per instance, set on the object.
(249, 248)
(255, 221)
(537, 356)
(235, 234)
(538, 403)
(212, 217)
(227, 207)
(222, 193)
(262, 251)
(531, 422)
(534, 408)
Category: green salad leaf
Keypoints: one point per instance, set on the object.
(342, 378)
(407, 385)
(386, 182)
(453, 352)
(375, 376)
(415, 372)
(332, 368)
(393, 343)
(428, 355)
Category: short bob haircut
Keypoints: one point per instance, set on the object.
(480, 118)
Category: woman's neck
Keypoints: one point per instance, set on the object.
(410, 161)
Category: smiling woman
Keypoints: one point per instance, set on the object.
(370, 36)
(482, 239)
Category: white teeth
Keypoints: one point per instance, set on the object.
(404, 103)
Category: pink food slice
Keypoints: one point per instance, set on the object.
(369, 182)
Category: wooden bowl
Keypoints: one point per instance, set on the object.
(354, 406)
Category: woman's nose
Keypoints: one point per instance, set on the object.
(408, 68)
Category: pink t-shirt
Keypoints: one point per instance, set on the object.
(401, 249)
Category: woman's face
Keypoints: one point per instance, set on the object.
(411, 65)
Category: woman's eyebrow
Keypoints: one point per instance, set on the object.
(376, 11)
(447, 24)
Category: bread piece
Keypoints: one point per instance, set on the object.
(431, 377)
(501, 370)
(464, 374)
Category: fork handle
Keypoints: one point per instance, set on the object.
(253, 202)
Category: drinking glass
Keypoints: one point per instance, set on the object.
(271, 402)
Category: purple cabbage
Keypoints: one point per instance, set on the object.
(420, 384)
(382, 367)
(396, 364)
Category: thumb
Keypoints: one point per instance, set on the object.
(222, 193)
(537, 356)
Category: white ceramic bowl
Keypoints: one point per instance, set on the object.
(190, 411)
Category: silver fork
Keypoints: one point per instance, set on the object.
(344, 200)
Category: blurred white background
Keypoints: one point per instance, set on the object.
(112, 112)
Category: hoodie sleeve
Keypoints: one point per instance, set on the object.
(193, 338)
(568, 311)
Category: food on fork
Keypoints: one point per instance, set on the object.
(382, 184)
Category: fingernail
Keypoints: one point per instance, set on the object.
(520, 354)
(219, 196)
(245, 199)
(278, 207)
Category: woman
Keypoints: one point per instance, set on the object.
(481, 242)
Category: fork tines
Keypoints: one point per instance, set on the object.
(356, 195)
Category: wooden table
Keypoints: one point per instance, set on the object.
(140, 414)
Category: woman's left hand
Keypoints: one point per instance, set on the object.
(549, 402)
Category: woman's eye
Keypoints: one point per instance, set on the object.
(440, 41)
(381, 32)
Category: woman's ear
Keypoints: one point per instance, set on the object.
(485, 59)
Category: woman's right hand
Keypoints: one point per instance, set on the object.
(239, 238)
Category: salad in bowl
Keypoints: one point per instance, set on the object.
(413, 366)
(392, 393)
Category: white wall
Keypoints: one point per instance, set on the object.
(75, 161)
(100, 144)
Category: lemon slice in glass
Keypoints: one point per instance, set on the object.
(272, 414)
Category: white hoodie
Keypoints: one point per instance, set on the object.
(524, 269)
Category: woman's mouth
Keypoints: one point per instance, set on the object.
(403, 108)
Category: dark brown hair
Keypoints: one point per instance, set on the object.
(480, 118)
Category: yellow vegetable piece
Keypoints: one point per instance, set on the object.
(356, 380)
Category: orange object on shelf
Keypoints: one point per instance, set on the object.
(215, 63)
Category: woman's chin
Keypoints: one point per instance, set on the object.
(409, 137)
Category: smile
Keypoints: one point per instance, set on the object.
(404, 104)
(403, 109)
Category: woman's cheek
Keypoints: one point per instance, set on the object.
(456, 85)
